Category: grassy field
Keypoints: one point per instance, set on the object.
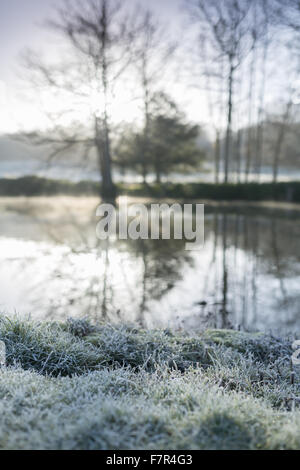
(35, 186)
(78, 386)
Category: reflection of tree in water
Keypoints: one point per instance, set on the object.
(278, 262)
(163, 261)
(157, 264)
(248, 255)
(245, 249)
(285, 266)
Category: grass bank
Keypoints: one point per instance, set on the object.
(78, 386)
(35, 186)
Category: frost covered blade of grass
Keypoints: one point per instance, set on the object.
(58, 349)
(79, 386)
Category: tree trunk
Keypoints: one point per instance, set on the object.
(238, 155)
(157, 169)
(217, 157)
(250, 130)
(260, 127)
(108, 189)
(147, 123)
(158, 176)
(229, 124)
(259, 150)
(280, 142)
(249, 155)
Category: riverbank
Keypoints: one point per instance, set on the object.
(79, 386)
(34, 186)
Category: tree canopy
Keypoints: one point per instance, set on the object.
(171, 143)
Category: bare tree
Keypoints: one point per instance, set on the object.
(153, 52)
(238, 154)
(259, 145)
(214, 78)
(227, 26)
(252, 83)
(100, 35)
(281, 135)
(287, 13)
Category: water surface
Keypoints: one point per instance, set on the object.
(247, 276)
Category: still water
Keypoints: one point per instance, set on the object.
(247, 276)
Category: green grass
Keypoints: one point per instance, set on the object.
(79, 386)
(35, 186)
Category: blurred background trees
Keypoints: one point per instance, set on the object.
(241, 57)
(169, 146)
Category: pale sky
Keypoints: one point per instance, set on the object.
(20, 21)
(20, 27)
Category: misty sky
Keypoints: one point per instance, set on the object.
(21, 26)
(21, 20)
